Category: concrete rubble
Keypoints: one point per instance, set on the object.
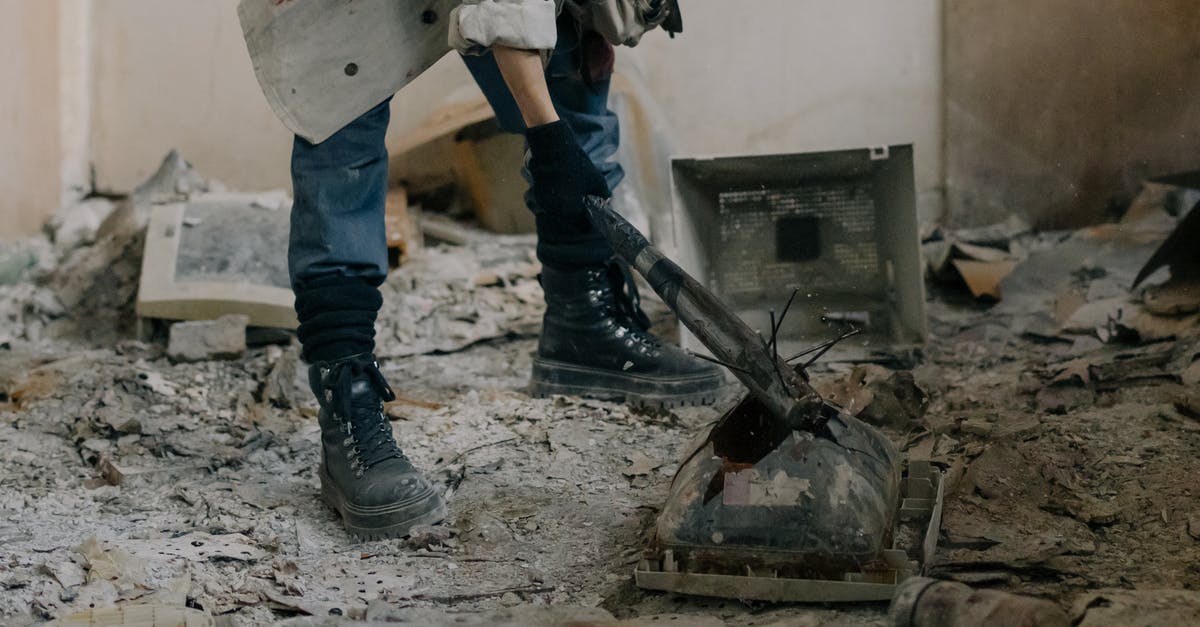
(924, 602)
(444, 301)
(76, 225)
(202, 340)
(132, 478)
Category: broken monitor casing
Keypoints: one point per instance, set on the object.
(840, 227)
(756, 513)
(217, 254)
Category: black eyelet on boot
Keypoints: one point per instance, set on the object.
(364, 475)
(595, 342)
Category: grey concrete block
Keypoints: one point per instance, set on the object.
(223, 338)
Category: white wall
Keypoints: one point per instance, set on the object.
(75, 97)
(174, 74)
(29, 116)
(762, 76)
(798, 75)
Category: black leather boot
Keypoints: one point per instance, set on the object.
(364, 475)
(595, 343)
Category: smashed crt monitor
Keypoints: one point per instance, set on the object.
(761, 512)
(218, 254)
(841, 227)
(810, 504)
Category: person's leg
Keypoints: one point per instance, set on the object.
(564, 240)
(578, 75)
(337, 253)
(581, 102)
(337, 257)
(595, 340)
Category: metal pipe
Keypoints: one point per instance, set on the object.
(785, 394)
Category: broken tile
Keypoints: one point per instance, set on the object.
(111, 564)
(1174, 298)
(1094, 315)
(878, 395)
(1061, 399)
(429, 536)
(68, 574)
(1193, 526)
(640, 464)
(1191, 374)
(983, 278)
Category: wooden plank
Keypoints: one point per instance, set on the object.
(776, 590)
(395, 217)
(323, 63)
(501, 157)
(472, 180)
(423, 158)
(265, 306)
(447, 120)
(130, 614)
(403, 233)
(488, 171)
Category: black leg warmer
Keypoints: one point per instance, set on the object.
(337, 318)
(562, 176)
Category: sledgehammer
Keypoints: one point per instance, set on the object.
(782, 389)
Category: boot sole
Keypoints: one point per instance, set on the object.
(559, 378)
(382, 522)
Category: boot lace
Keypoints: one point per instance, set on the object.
(369, 434)
(627, 303)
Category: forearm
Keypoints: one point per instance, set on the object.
(526, 79)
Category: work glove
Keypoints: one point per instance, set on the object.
(562, 175)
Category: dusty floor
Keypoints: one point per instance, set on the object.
(551, 499)
(216, 504)
(1072, 466)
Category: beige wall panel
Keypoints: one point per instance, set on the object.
(175, 74)
(780, 76)
(75, 97)
(29, 121)
(767, 76)
(1057, 110)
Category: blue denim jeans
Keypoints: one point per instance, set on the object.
(340, 184)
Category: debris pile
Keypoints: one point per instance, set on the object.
(142, 478)
(223, 338)
(1083, 286)
(444, 301)
(156, 474)
(83, 281)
